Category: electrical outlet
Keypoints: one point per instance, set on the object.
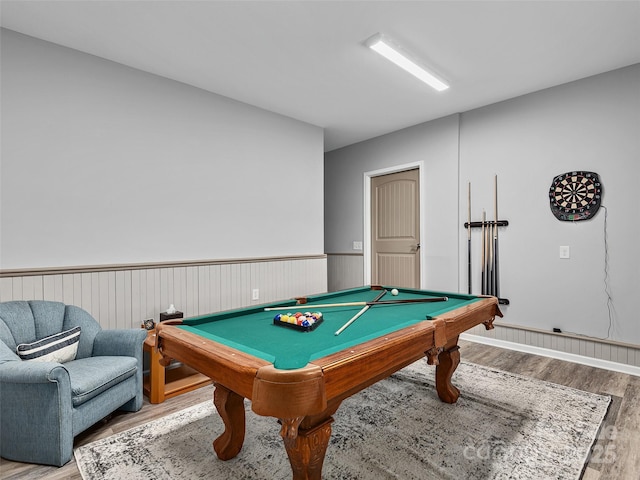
(255, 294)
(565, 251)
(357, 245)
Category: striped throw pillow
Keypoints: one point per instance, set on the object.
(61, 347)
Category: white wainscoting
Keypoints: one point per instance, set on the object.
(593, 351)
(122, 296)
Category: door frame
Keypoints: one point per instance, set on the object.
(366, 241)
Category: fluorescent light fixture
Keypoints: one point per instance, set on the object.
(392, 52)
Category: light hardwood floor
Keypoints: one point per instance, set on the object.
(616, 457)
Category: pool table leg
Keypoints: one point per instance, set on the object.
(449, 359)
(230, 406)
(306, 447)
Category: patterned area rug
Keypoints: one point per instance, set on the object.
(503, 426)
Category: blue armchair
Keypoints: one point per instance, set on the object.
(44, 404)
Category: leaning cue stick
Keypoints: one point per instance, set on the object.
(491, 253)
(483, 249)
(495, 239)
(359, 304)
(469, 239)
(487, 260)
(357, 315)
(490, 257)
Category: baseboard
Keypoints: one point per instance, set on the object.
(546, 352)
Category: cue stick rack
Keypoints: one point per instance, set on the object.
(489, 255)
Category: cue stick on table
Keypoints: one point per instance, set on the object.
(359, 304)
(357, 315)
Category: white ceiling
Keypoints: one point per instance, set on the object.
(306, 59)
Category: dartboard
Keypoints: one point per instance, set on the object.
(575, 195)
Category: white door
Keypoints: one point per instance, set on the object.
(395, 229)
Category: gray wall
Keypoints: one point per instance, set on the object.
(591, 124)
(105, 164)
(436, 145)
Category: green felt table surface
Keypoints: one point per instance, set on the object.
(251, 330)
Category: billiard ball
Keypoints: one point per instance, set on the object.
(394, 291)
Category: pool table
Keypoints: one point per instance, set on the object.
(301, 377)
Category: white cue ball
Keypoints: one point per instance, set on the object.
(394, 291)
